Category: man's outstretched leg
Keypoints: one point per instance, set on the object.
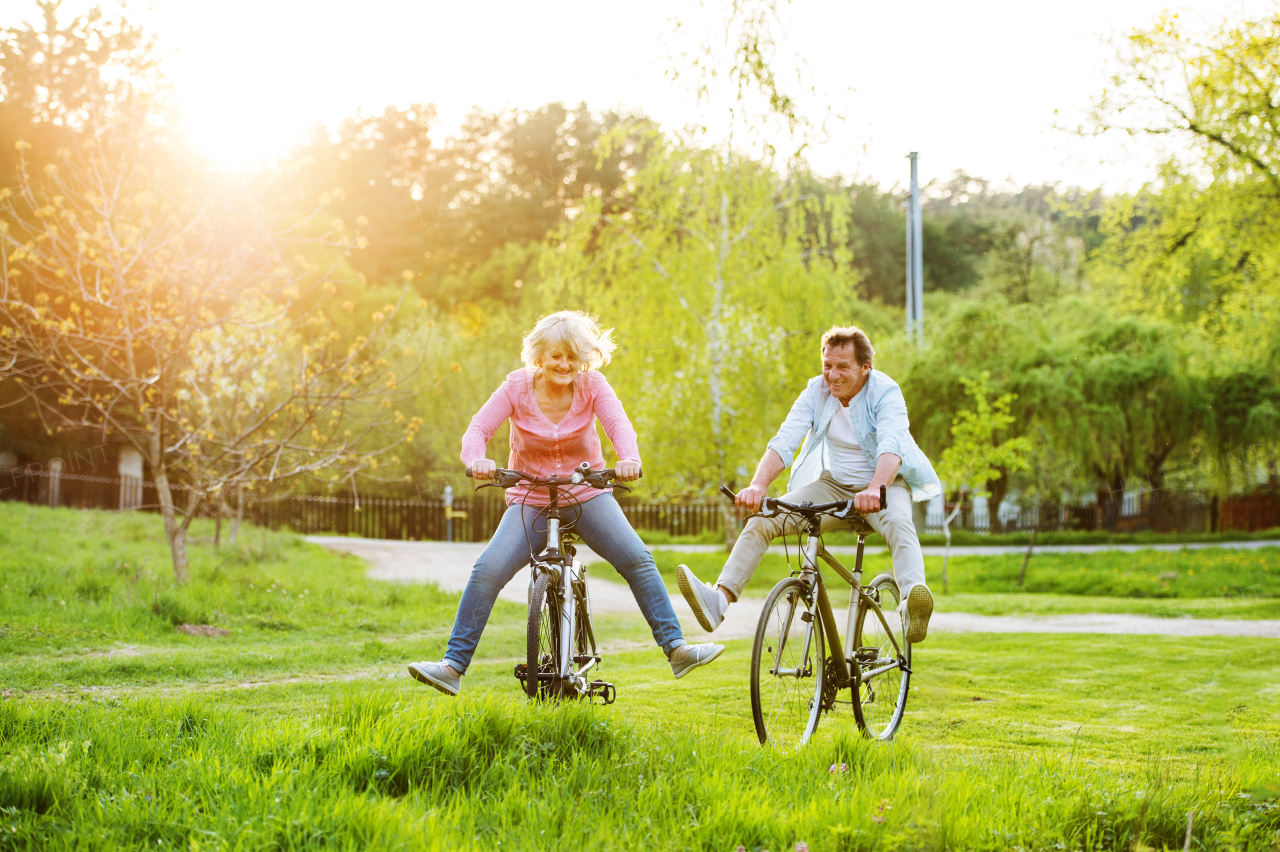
(710, 602)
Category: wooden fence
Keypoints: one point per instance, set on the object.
(425, 520)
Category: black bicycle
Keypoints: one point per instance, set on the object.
(560, 641)
(796, 672)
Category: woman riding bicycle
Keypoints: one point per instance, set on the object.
(553, 404)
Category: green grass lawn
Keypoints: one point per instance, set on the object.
(1217, 583)
(299, 729)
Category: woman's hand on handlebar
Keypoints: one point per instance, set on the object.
(483, 469)
(627, 470)
(751, 497)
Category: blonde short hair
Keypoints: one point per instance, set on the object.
(580, 335)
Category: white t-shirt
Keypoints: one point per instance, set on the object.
(848, 463)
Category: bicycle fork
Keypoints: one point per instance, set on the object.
(810, 572)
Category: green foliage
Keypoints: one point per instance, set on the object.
(977, 455)
(721, 276)
(1199, 244)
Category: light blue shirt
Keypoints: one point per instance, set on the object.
(879, 417)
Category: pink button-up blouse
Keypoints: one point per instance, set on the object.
(543, 448)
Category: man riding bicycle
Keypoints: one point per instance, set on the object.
(853, 423)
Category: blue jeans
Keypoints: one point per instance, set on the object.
(603, 528)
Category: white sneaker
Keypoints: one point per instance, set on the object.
(708, 605)
(686, 658)
(440, 675)
(916, 610)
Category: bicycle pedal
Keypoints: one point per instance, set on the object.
(867, 654)
(606, 692)
(522, 672)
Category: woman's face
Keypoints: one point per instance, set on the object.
(559, 366)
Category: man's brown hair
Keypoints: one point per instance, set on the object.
(843, 335)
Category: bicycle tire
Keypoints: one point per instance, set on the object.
(542, 646)
(786, 708)
(877, 719)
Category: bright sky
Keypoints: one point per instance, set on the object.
(976, 86)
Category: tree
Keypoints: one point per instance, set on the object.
(1199, 245)
(60, 79)
(722, 297)
(978, 452)
(170, 313)
(1133, 405)
(447, 207)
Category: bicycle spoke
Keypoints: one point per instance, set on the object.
(882, 695)
(787, 670)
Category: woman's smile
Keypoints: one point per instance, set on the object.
(560, 367)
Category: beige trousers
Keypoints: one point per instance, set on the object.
(894, 524)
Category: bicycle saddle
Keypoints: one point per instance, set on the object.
(859, 524)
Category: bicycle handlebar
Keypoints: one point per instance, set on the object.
(838, 508)
(582, 475)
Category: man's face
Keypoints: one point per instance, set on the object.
(844, 375)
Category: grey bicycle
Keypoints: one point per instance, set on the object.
(799, 666)
(560, 639)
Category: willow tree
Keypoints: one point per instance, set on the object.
(720, 276)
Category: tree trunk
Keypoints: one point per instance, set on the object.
(999, 489)
(1022, 575)
(177, 541)
(238, 516)
(946, 555)
(1115, 507)
(732, 527)
(715, 349)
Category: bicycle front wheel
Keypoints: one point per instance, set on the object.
(787, 668)
(882, 684)
(543, 640)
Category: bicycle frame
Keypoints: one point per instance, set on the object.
(570, 577)
(811, 576)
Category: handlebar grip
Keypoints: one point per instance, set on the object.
(470, 473)
(724, 489)
(884, 498)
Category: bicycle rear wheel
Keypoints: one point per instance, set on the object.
(881, 690)
(543, 640)
(786, 671)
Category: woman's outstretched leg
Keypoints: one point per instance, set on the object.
(605, 529)
(506, 553)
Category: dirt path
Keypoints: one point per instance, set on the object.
(449, 566)
(1002, 549)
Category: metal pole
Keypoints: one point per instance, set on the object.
(448, 513)
(917, 248)
(911, 257)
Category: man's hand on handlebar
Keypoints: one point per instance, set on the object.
(483, 469)
(627, 470)
(868, 502)
(751, 497)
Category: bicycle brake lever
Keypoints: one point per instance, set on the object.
(617, 485)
